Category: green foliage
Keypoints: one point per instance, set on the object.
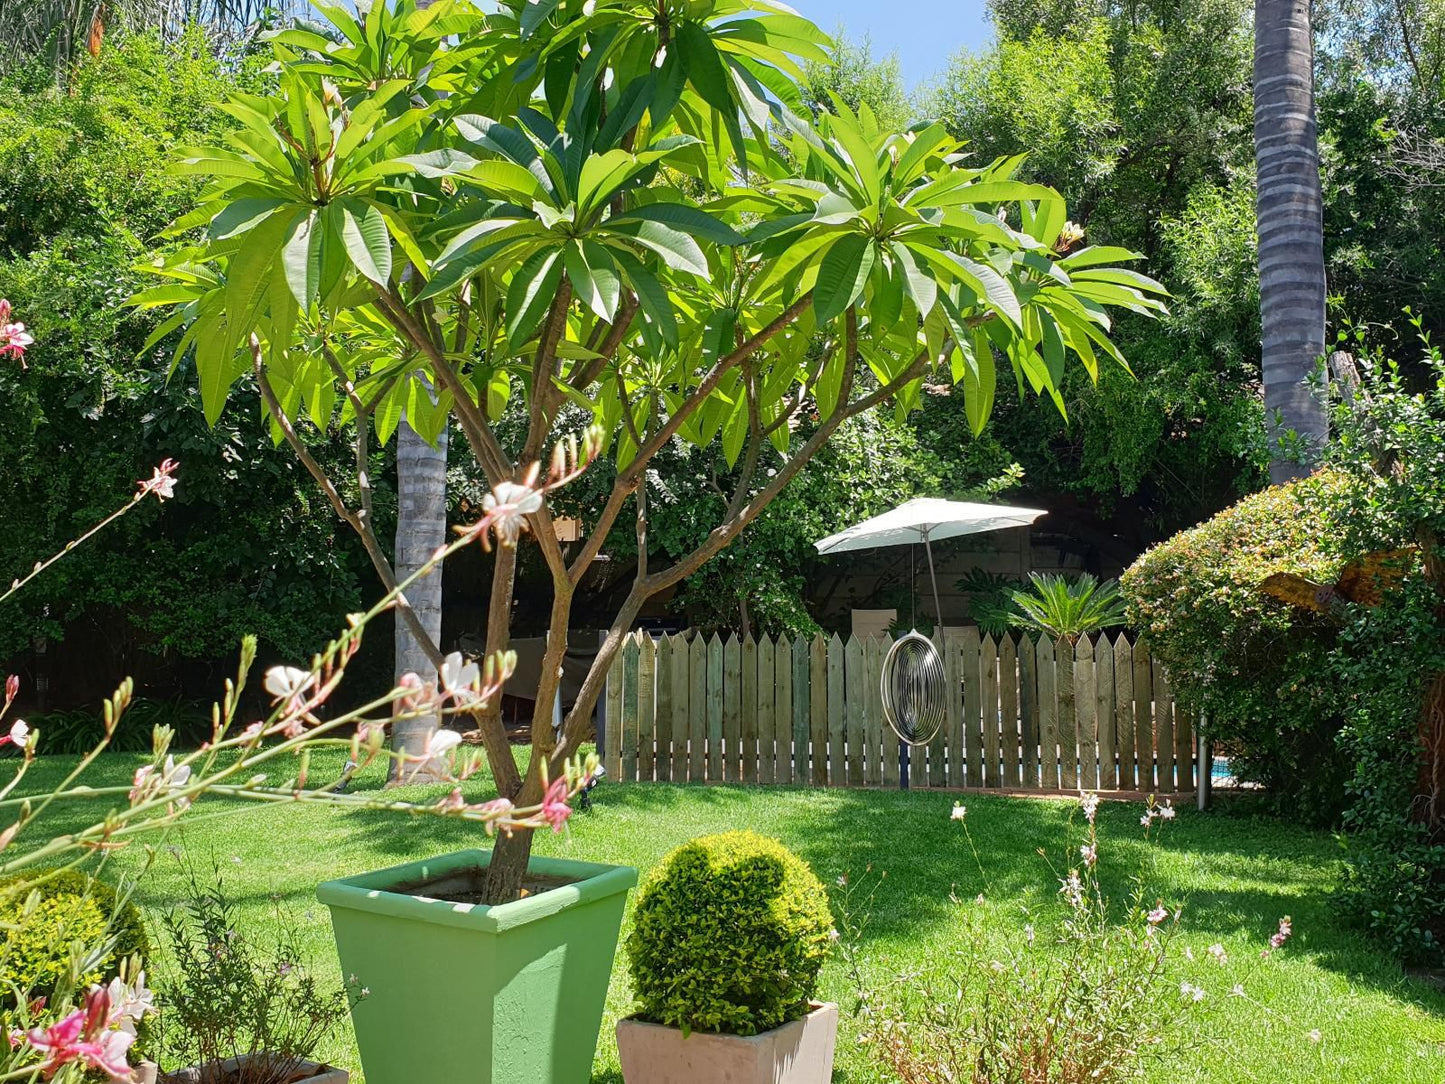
(1068, 609)
(75, 918)
(1389, 663)
(728, 935)
(1254, 665)
(859, 79)
(248, 545)
(228, 996)
(79, 730)
(991, 604)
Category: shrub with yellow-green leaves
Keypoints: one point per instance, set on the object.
(1257, 667)
(729, 935)
(49, 918)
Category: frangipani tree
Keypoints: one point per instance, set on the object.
(614, 205)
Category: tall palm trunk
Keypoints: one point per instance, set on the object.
(1291, 233)
(421, 529)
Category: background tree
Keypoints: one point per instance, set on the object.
(657, 238)
(1291, 235)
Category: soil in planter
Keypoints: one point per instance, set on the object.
(243, 1074)
(466, 885)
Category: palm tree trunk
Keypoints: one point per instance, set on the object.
(421, 529)
(1291, 236)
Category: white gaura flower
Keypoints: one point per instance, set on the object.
(510, 503)
(461, 679)
(288, 682)
(959, 812)
(443, 742)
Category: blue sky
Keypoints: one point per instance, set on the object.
(924, 33)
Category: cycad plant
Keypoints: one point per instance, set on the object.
(1067, 609)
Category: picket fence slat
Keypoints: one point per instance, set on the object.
(837, 776)
(732, 709)
(1085, 723)
(1144, 717)
(1021, 714)
(1104, 714)
(818, 721)
(783, 712)
(1029, 709)
(802, 710)
(1124, 711)
(767, 690)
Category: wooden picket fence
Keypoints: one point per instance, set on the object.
(1026, 715)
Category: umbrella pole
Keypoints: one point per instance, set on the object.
(932, 575)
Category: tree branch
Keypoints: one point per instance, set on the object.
(361, 525)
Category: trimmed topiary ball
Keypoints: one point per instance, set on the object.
(728, 935)
(73, 907)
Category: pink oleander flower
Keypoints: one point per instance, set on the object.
(162, 481)
(555, 809)
(19, 735)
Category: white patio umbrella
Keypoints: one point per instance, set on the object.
(924, 519)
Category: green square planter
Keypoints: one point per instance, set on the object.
(470, 994)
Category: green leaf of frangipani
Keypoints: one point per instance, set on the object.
(842, 275)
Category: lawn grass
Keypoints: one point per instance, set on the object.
(1234, 876)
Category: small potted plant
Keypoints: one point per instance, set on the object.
(236, 1011)
(727, 940)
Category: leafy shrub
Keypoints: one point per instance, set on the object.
(990, 605)
(1389, 664)
(729, 934)
(230, 997)
(78, 730)
(1066, 609)
(1256, 667)
(37, 945)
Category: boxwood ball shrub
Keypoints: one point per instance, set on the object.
(35, 945)
(1257, 667)
(729, 934)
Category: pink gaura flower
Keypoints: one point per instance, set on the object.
(13, 336)
(1158, 915)
(12, 689)
(461, 680)
(1280, 936)
(555, 809)
(1090, 854)
(162, 481)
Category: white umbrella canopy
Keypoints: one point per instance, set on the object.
(924, 519)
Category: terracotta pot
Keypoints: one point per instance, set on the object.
(797, 1053)
(318, 1074)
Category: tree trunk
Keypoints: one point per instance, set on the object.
(510, 856)
(421, 529)
(1291, 235)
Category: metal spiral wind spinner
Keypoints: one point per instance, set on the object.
(914, 689)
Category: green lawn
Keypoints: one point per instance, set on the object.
(1235, 877)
